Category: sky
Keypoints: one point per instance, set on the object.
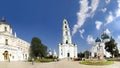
(87, 19)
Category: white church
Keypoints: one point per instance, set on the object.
(100, 42)
(67, 49)
(12, 48)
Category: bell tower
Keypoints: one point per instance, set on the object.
(5, 27)
(66, 33)
(66, 48)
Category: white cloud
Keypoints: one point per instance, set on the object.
(98, 24)
(118, 1)
(107, 1)
(94, 6)
(83, 13)
(107, 31)
(81, 33)
(109, 18)
(90, 40)
(118, 13)
(119, 37)
(118, 10)
(104, 9)
(118, 43)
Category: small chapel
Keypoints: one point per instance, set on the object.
(67, 49)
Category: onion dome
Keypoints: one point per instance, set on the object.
(104, 36)
(98, 40)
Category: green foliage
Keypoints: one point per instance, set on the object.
(29, 59)
(43, 60)
(111, 47)
(96, 63)
(46, 60)
(113, 59)
(87, 54)
(80, 55)
(37, 49)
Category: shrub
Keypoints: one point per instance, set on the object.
(113, 59)
(29, 59)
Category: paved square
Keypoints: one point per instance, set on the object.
(60, 64)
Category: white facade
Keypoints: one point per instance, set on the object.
(95, 48)
(12, 48)
(66, 48)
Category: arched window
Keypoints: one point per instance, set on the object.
(61, 53)
(5, 28)
(6, 41)
(65, 26)
(66, 41)
(66, 33)
(65, 22)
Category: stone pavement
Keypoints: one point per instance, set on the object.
(60, 64)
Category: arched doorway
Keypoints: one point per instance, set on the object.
(6, 55)
(68, 54)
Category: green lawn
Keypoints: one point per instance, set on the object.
(87, 62)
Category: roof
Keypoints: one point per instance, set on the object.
(98, 40)
(104, 36)
(3, 21)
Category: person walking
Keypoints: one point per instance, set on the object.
(32, 61)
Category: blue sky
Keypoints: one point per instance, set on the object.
(43, 18)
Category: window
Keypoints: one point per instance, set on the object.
(25, 56)
(13, 57)
(5, 28)
(66, 33)
(65, 26)
(61, 53)
(65, 22)
(6, 41)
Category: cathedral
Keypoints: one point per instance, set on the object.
(12, 48)
(99, 48)
(66, 48)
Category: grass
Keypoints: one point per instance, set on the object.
(44, 60)
(41, 60)
(88, 62)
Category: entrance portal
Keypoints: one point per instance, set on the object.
(68, 54)
(6, 55)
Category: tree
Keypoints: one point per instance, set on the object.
(87, 54)
(37, 49)
(111, 47)
(43, 50)
(80, 55)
